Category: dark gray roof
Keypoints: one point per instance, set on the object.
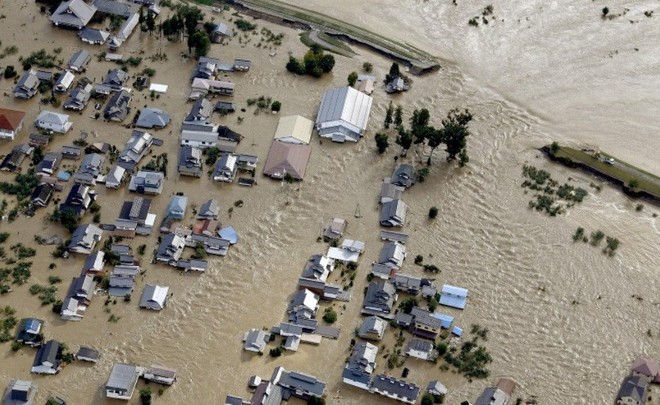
(372, 325)
(314, 268)
(404, 175)
(201, 110)
(420, 345)
(297, 382)
(152, 118)
(88, 353)
(424, 317)
(632, 387)
(393, 213)
(361, 363)
(401, 388)
(380, 294)
(117, 107)
(136, 210)
(93, 35)
(210, 209)
(47, 353)
(117, 8)
(116, 77)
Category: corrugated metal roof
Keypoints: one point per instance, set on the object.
(294, 129)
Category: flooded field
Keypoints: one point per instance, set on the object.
(561, 317)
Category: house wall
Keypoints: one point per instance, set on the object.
(356, 384)
(6, 134)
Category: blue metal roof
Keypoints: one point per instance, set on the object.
(445, 320)
(457, 331)
(451, 301)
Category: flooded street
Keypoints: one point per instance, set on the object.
(561, 316)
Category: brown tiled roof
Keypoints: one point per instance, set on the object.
(287, 158)
(10, 119)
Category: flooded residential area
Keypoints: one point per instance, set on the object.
(231, 203)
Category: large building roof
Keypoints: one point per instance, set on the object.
(286, 158)
(344, 113)
(10, 119)
(294, 129)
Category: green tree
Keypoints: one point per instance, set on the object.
(394, 73)
(404, 139)
(200, 42)
(606, 11)
(554, 148)
(382, 142)
(151, 21)
(294, 66)
(330, 315)
(367, 67)
(327, 62)
(398, 116)
(145, 396)
(454, 133)
(388, 115)
(276, 106)
(427, 399)
(352, 78)
(419, 125)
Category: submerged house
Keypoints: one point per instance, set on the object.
(360, 366)
(200, 111)
(136, 148)
(118, 106)
(393, 213)
(379, 299)
(19, 392)
(122, 381)
(85, 238)
(209, 210)
(27, 86)
(225, 168)
(12, 162)
(49, 164)
(152, 118)
(124, 31)
(93, 36)
(74, 14)
(89, 169)
(116, 79)
(170, 249)
(64, 81)
(177, 206)
(11, 123)
(79, 61)
(115, 177)
(343, 114)
(452, 296)
(154, 297)
(160, 375)
(294, 129)
(52, 121)
(42, 194)
(373, 328)
(147, 182)
(287, 160)
(135, 218)
(48, 359)
(255, 340)
(191, 161)
(404, 175)
(30, 332)
(399, 390)
(79, 98)
(392, 255)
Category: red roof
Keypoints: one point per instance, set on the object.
(10, 119)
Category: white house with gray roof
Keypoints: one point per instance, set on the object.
(78, 98)
(154, 297)
(122, 381)
(152, 118)
(73, 14)
(115, 177)
(170, 249)
(89, 169)
(52, 121)
(190, 161)
(85, 238)
(136, 148)
(393, 213)
(391, 387)
(64, 81)
(255, 340)
(27, 86)
(343, 114)
(209, 210)
(79, 61)
(360, 366)
(373, 328)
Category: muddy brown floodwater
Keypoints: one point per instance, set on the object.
(546, 72)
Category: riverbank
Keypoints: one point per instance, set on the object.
(419, 61)
(633, 181)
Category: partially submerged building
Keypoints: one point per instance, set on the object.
(287, 160)
(343, 114)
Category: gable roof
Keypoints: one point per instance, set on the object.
(343, 110)
(152, 117)
(74, 13)
(294, 129)
(647, 367)
(284, 158)
(10, 119)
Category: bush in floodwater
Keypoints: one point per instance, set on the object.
(433, 212)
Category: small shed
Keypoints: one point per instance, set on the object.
(452, 296)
